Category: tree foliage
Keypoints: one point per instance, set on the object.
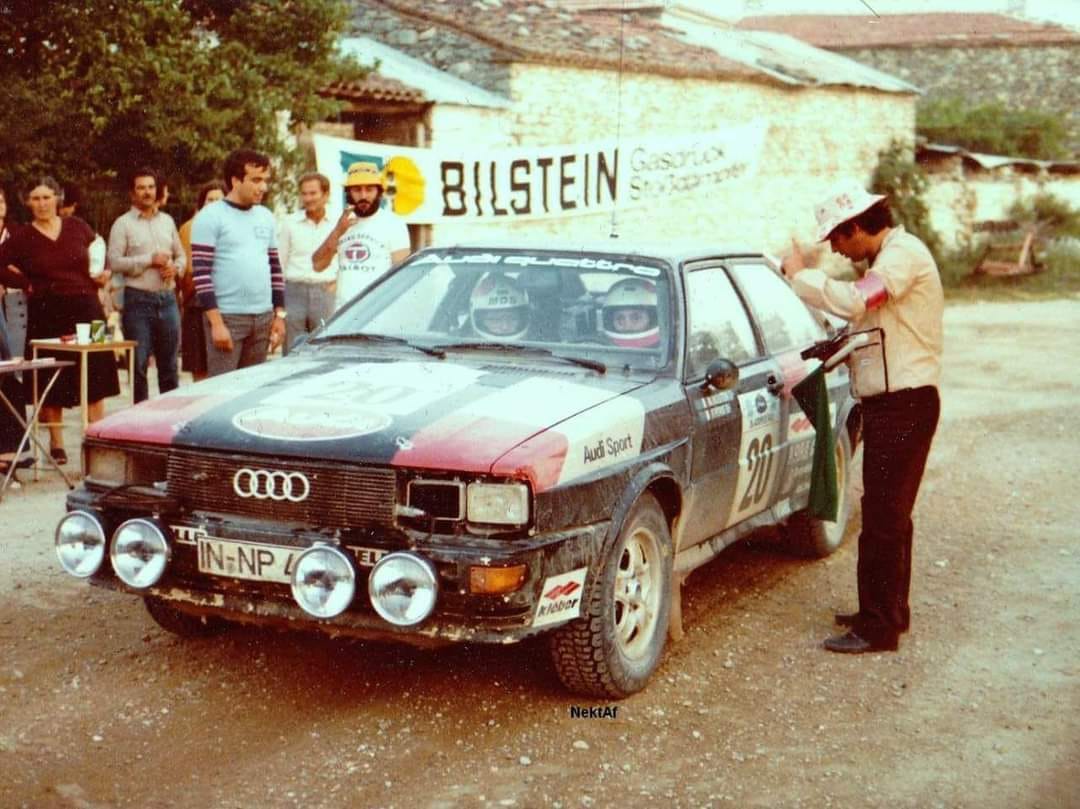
(94, 88)
(993, 129)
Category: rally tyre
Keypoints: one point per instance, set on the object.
(180, 623)
(613, 648)
(811, 537)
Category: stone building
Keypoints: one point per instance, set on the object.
(983, 58)
(498, 74)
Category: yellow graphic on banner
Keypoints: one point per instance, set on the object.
(404, 185)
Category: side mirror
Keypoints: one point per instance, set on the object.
(721, 375)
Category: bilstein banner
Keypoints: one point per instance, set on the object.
(426, 186)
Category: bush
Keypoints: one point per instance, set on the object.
(993, 128)
(898, 177)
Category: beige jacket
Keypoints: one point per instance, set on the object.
(911, 314)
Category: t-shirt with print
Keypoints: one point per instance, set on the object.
(364, 252)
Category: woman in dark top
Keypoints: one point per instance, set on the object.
(52, 257)
(11, 431)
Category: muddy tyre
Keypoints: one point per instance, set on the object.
(811, 537)
(614, 647)
(180, 623)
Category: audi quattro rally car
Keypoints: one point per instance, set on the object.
(490, 443)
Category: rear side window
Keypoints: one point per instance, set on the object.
(785, 321)
(718, 325)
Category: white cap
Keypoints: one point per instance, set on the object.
(846, 201)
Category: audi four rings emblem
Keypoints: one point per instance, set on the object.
(262, 484)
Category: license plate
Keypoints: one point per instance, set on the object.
(246, 560)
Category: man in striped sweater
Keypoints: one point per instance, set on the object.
(237, 274)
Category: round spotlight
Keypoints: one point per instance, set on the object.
(80, 543)
(403, 588)
(323, 581)
(139, 553)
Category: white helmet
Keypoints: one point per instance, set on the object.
(629, 315)
(499, 308)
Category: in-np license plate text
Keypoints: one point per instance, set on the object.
(244, 560)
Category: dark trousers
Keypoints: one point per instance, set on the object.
(152, 320)
(898, 429)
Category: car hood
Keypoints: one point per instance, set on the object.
(517, 419)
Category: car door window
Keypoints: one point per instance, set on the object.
(785, 321)
(718, 324)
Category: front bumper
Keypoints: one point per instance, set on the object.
(459, 615)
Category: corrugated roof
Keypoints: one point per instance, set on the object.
(430, 83)
(586, 33)
(842, 32)
(791, 60)
(993, 161)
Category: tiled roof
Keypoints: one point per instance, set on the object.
(542, 31)
(374, 87)
(844, 32)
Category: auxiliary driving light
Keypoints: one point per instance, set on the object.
(403, 588)
(323, 581)
(80, 543)
(139, 553)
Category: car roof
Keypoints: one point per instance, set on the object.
(672, 251)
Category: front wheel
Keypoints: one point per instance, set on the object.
(809, 536)
(616, 644)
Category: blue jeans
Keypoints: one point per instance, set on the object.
(152, 320)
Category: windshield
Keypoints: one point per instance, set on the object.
(609, 308)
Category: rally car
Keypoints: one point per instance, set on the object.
(488, 444)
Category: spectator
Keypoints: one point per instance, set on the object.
(145, 248)
(14, 300)
(367, 239)
(237, 272)
(10, 429)
(309, 293)
(51, 258)
(192, 333)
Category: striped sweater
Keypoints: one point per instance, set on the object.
(235, 260)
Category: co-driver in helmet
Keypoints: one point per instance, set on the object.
(629, 316)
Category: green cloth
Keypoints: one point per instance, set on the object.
(812, 394)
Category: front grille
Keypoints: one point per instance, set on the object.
(340, 495)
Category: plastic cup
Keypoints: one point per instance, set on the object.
(97, 331)
(82, 333)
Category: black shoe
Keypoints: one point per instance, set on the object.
(58, 455)
(852, 644)
(846, 618)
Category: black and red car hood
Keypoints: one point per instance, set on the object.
(541, 421)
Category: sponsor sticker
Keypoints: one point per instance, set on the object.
(560, 597)
(310, 422)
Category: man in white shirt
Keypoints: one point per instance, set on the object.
(309, 292)
(367, 239)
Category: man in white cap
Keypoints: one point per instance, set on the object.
(897, 387)
(367, 239)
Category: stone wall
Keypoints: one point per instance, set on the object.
(816, 136)
(1041, 78)
(960, 197)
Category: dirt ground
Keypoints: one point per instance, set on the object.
(101, 708)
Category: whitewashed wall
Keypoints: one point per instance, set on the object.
(816, 136)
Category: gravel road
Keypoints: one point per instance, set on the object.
(100, 708)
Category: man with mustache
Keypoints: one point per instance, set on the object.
(367, 239)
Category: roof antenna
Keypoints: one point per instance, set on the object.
(618, 112)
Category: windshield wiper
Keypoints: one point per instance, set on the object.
(377, 338)
(478, 345)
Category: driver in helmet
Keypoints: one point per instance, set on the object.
(629, 315)
(499, 308)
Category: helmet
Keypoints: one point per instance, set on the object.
(628, 317)
(364, 173)
(499, 308)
